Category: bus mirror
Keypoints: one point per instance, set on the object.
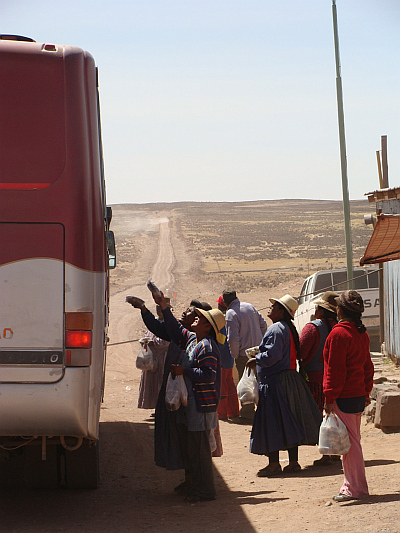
(109, 214)
(112, 262)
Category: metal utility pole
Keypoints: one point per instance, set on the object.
(343, 158)
(384, 183)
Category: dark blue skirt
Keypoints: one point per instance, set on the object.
(286, 415)
(167, 453)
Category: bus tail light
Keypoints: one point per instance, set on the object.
(78, 339)
(77, 321)
(78, 357)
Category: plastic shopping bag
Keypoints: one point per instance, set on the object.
(333, 436)
(146, 360)
(247, 388)
(175, 393)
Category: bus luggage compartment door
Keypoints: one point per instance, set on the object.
(32, 294)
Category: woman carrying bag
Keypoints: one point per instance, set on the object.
(287, 415)
(348, 380)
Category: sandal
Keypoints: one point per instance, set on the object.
(342, 497)
(292, 468)
(270, 472)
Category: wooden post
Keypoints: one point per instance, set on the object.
(385, 169)
(378, 160)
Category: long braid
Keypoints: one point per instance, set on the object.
(289, 321)
(354, 317)
(328, 316)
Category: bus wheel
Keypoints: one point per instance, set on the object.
(82, 466)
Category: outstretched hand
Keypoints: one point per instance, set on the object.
(136, 302)
(160, 300)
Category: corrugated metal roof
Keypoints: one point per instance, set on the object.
(383, 194)
(384, 244)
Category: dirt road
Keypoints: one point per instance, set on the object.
(134, 495)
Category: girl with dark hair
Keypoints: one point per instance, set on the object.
(348, 380)
(287, 415)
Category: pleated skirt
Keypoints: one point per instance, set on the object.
(286, 415)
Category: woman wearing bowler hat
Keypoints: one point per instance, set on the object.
(287, 415)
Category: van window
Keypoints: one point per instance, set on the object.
(302, 293)
(323, 282)
(339, 281)
(360, 280)
(373, 279)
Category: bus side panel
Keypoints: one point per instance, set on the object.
(85, 292)
(53, 409)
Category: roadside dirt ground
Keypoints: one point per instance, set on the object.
(135, 495)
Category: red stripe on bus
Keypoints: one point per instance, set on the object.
(24, 186)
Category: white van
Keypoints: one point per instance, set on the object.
(365, 281)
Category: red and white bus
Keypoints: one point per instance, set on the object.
(55, 253)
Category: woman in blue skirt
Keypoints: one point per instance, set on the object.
(287, 415)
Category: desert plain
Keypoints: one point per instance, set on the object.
(194, 250)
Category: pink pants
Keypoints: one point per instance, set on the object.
(355, 482)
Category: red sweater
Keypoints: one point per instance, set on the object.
(348, 369)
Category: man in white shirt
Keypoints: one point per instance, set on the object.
(245, 328)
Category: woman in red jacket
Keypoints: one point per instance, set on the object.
(348, 379)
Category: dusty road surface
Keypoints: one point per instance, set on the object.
(135, 495)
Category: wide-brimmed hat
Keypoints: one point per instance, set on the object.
(217, 320)
(288, 303)
(328, 301)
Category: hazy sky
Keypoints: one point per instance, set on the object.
(215, 100)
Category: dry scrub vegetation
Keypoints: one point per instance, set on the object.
(255, 244)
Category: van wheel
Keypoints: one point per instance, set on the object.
(82, 466)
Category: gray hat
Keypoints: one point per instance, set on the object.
(328, 301)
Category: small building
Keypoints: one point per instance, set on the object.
(384, 249)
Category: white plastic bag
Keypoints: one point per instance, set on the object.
(333, 436)
(247, 388)
(146, 360)
(175, 393)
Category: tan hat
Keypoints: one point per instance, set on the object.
(216, 319)
(288, 303)
(328, 301)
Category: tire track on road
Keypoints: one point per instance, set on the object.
(161, 272)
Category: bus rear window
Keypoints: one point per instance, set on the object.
(32, 133)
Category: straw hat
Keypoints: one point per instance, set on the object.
(288, 303)
(217, 320)
(328, 301)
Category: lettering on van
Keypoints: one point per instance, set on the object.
(7, 333)
(368, 303)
